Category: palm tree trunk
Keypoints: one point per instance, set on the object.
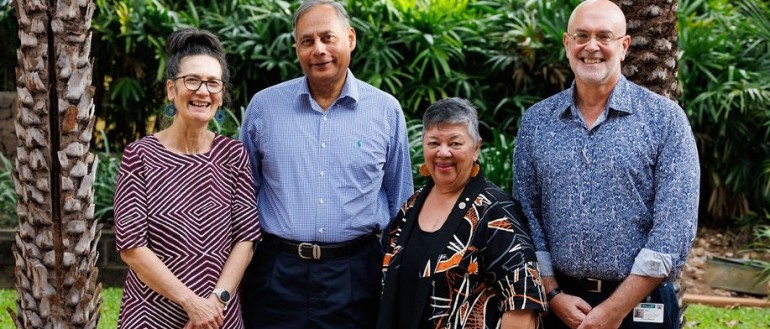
(55, 251)
(652, 62)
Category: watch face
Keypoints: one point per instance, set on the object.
(224, 295)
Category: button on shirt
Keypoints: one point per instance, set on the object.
(327, 176)
(619, 198)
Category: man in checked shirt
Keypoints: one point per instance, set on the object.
(331, 166)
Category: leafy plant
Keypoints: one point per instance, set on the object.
(496, 159)
(726, 93)
(106, 180)
(761, 244)
(231, 126)
(414, 133)
(8, 195)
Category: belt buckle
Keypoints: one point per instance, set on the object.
(315, 250)
(598, 285)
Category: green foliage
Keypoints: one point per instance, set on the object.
(106, 180)
(724, 62)
(8, 194)
(231, 126)
(496, 159)
(502, 55)
(110, 307)
(414, 133)
(761, 244)
(525, 55)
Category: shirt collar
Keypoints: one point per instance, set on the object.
(350, 90)
(620, 99)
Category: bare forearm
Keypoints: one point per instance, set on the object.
(519, 319)
(549, 283)
(151, 270)
(235, 265)
(630, 293)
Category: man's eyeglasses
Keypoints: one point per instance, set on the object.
(193, 83)
(604, 38)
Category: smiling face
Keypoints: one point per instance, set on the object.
(449, 155)
(195, 107)
(324, 46)
(595, 63)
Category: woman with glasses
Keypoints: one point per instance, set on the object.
(185, 208)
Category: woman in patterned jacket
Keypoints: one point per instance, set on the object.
(185, 208)
(458, 254)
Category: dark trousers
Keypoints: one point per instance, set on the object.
(282, 290)
(664, 294)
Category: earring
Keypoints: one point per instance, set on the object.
(475, 169)
(424, 170)
(170, 110)
(219, 116)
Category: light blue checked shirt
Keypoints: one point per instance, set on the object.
(327, 176)
(619, 198)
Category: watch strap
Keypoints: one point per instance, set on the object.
(552, 294)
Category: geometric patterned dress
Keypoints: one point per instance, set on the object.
(190, 209)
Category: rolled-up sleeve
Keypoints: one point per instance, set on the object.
(675, 211)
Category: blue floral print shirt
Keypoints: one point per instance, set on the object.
(617, 199)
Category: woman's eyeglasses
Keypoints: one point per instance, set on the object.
(193, 83)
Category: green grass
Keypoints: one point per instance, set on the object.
(701, 316)
(110, 307)
(698, 316)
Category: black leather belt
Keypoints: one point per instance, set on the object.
(592, 285)
(310, 250)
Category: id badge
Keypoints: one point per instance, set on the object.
(648, 312)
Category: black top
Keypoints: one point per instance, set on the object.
(410, 277)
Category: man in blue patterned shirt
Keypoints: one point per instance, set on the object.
(331, 166)
(607, 173)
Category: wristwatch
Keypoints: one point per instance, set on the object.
(222, 295)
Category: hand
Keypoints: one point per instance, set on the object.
(602, 317)
(570, 309)
(204, 313)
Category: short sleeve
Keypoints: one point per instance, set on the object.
(131, 201)
(245, 216)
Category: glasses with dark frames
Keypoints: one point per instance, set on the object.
(193, 83)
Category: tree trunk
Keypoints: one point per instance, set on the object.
(651, 59)
(56, 274)
(652, 62)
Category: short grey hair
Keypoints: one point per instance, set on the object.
(310, 4)
(452, 110)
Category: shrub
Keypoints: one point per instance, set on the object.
(8, 195)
